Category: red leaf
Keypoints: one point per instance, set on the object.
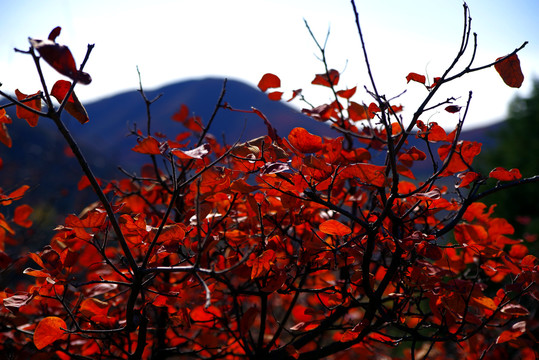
(453, 109)
(202, 314)
(48, 331)
(329, 79)
(4, 135)
(272, 133)
(260, 265)
(366, 173)
(415, 77)
(269, 81)
(334, 227)
(21, 215)
(347, 94)
(319, 113)
(91, 306)
(4, 118)
(509, 70)
(467, 178)
(275, 96)
(294, 94)
(517, 329)
(502, 174)
(357, 112)
(73, 105)
(148, 146)
(181, 115)
(304, 141)
(30, 117)
(59, 57)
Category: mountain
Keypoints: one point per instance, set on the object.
(38, 156)
(112, 119)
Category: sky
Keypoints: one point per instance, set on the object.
(171, 41)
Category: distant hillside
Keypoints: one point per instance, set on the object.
(112, 119)
(37, 157)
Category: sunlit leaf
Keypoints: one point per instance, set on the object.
(334, 227)
(329, 79)
(269, 81)
(22, 113)
(48, 330)
(366, 173)
(304, 141)
(148, 146)
(416, 77)
(275, 96)
(73, 105)
(347, 94)
(502, 174)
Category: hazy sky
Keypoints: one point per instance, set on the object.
(243, 39)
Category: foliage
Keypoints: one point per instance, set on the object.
(297, 247)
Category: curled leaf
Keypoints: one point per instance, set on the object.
(59, 57)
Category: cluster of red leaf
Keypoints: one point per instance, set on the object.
(279, 248)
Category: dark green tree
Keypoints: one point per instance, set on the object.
(518, 147)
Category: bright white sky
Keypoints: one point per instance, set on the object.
(243, 39)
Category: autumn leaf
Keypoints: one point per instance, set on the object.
(21, 215)
(452, 109)
(416, 77)
(347, 94)
(4, 135)
(16, 301)
(366, 173)
(269, 81)
(275, 96)
(48, 331)
(502, 174)
(30, 117)
(196, 153)
(294, 94)
(182, 114)
(334, 227)
(73, 105)
(59, 57)
(467, 178)
(516, 330)
(260, 265)
(304, 141)
(329, 79)
(148, 146)
(510, 71)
